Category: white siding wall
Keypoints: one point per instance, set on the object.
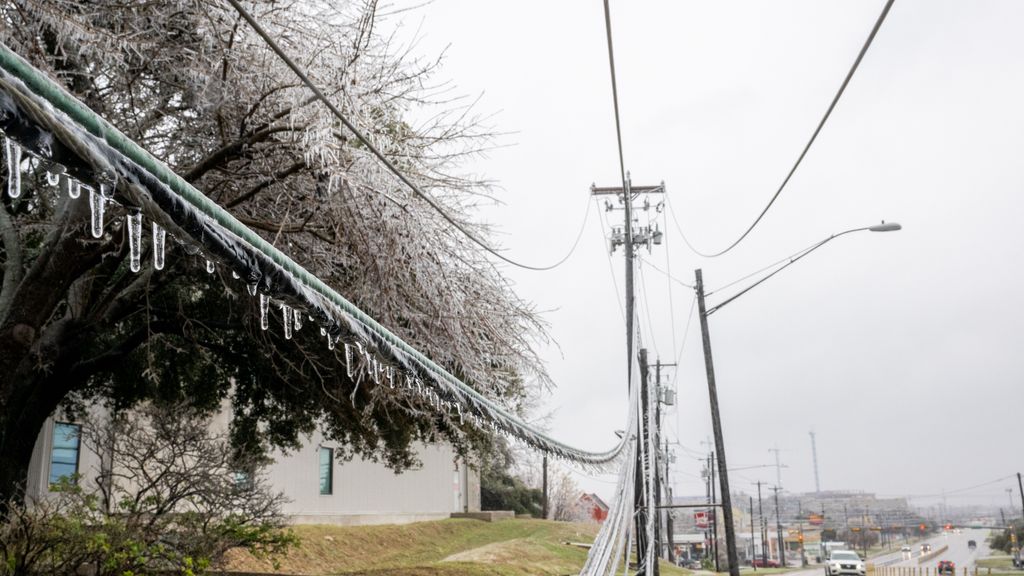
(364, 492)
(369, 492)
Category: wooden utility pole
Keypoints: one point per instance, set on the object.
(778, 529)
(544, 486)
(716, 425)
(628, 237)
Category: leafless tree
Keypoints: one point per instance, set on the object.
(172, 494)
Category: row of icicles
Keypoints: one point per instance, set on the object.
(292, 318)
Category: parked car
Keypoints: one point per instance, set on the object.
(765, 563)
(946, 567)
(844, 562)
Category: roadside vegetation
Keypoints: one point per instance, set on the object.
(456, 547)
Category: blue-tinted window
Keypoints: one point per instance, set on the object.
(64, 457)
(326, 470)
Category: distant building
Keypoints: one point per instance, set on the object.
(590, 508)
(320, 489)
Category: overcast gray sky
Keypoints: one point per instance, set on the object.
(901, 350)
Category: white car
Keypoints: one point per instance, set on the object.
(844, 562)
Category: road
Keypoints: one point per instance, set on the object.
(957, 552)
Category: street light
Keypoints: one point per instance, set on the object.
(716, 422)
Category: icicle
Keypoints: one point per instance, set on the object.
(297, 320)
(106, 191)
(323, 331)
(391, 376)
(286, 316)
(72, 187)
(13, 154)
(96, 207)
(135, 241)
(330, 344)
(210, 267)
(264, 305)
(52, 178)
(348, 358)
(235, 275)
(251, 288)
(159, 236)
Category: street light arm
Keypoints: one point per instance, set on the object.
(883, 227)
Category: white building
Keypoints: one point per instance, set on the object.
(320, 489)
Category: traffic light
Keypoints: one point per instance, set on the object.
(923, 527)
(949, 526)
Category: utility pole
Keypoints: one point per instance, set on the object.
(1020, 486)
(669, 536)
(716, 425)
(661, 397)
(778, 530)
(760, 513)
(800, 538)
(627, 237)
(643, 468)
(753, 551)
(544, 485)
(778, 466)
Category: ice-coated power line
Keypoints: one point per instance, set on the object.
(269, 40)
(807, 147)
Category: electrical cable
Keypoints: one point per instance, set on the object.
(670, 276)
(611, 270)
(807, 147)
(373, 149)
(671, 302)
(763, 269)
(647, 308)
(615, 89)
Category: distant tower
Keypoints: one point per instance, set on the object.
(814, 454)
(778, 466)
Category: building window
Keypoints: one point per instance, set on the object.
(64, 457)
(243, 480)
(326, 470)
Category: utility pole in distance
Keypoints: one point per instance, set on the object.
(628, 238)
(778, 529)
(1020, 485)
(760, 513)
(716, 425)
(662, 396)
(544, 484)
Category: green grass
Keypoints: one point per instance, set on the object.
(457, 547)
(997, 563)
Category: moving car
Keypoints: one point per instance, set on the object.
(972, 544)
(844, 562)
(905, 549)
(946, 567)
(925, 548)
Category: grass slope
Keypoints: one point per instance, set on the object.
(454, 547)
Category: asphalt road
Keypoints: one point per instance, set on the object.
(957, 552)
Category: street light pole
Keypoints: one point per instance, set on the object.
(716, 421)
(716, 425)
